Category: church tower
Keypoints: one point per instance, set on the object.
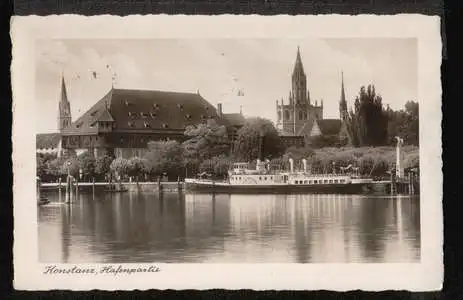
(299, 82)
(342, 101)
(64, 113)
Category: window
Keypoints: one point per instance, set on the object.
(146, 124)
(165, 125)
(93, 113)
(153, 115)
(156, 106)
(131, 124)
(77, 125)
(279, 115)
(315, 181)
(188, 116)
(300, 115)
(180, 106)
(286, 115)
(127, 103)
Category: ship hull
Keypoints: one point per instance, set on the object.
(218, 187)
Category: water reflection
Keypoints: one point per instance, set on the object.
(141, 227)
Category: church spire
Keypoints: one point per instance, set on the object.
(298, 67)
(342, 101)
(64, 113)
(299, 81)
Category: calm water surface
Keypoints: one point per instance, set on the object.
(142, 227)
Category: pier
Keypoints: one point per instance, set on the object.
(165, 186)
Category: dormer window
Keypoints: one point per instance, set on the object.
(93, 113)
(146, 124)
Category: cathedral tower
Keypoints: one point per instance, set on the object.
(64, 113)
(342, 101)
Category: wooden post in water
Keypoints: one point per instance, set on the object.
(67, 197)
(77, 188)
(393, 182)
(93, 187)
(159, 185)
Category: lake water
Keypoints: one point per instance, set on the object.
(192, 228)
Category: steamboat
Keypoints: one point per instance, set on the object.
(242, 179)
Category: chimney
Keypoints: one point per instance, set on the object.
(219, 109)
(304, 162)
(291, 165)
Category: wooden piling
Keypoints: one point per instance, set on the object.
(68, 190)
(93, 187)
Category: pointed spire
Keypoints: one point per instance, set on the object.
(343, 94)
(342, 101)
(64, 94)
(298, 65)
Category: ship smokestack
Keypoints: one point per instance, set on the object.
(304, 162)
(291, 165)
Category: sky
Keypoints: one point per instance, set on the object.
(219, 68)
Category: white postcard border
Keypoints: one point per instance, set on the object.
(427, 275)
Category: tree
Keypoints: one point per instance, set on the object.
(255, 133)
(102, 165)
(204, 141)
(70, 166)
(218, 166)
(86, 163)
(120, 166)
(367, 123)
(165, 157)
(137, 166)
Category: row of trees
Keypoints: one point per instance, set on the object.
(370, 124)
(206, 149)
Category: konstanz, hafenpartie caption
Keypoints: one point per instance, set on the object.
(107, 269)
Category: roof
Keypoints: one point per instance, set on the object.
(329, 126)
(135, 110)
(235, 119)
(47, 140)
(105, 116)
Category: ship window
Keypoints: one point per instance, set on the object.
(127, 103)
(188, 116)
(155, 105)
(153, 115)
(165, 125)
(180, 106)
(131, 124)
(143, 114)
(147, 125)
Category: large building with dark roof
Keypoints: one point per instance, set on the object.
(123, 121)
